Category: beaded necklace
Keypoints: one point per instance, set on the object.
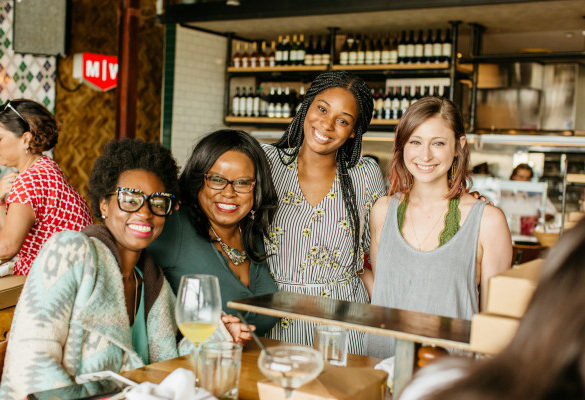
(236, 256)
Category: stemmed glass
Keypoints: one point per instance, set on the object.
(198, 309)
(290, 366)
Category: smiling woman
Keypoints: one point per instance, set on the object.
(228, 201)
(325, 191)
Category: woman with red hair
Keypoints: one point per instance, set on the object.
(433, 245)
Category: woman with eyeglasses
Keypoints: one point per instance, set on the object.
(37, 201)
(228, 201)
(94, 300)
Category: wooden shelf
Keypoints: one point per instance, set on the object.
(384, 122)
(257, 120)
(576, 178)
(382, 67)
(280, 68)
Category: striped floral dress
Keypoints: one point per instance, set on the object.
(311, 248)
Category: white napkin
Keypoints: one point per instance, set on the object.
(179, 385)
(6, 269)
(387, 365)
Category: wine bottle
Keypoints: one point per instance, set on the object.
(385, 56)
(393, 51)
(395, 108)
(271, 103)
(369, 50)
(263, 104)
(278, 104)
(256, 103)
(419, 48)
(379, 104)
(309, 52)
(254, 55)
(427, 91)
(402, 59)
(262, 55)
(410, 48)
(378, 50)
(352, 60)
(428, 48)
(236, 103)
(447, 44)
(286, 106)
(237, 57)
(279, 50)
(387, 112)
(300, 98)
(326, 54)
(417, 96)
(272, 55)
(317, 57)
(245, 57)
(344, 54)
(437, 47)
(293, 53)
(242, 103)
(250, 102)
(301, 50)
(361, 51)
(405, 100)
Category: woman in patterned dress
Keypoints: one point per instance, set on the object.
(38, 201)
(325, 189)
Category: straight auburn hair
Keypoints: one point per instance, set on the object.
(459, 177)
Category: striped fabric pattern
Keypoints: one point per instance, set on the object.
(311, 248)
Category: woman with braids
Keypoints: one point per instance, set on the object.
(433, 244)
(325, 189)
(546, 358)
(37, 201)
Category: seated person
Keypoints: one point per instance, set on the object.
(228, 201)
(94, 300)
(37, 201)
(523, 172)
(546, 357)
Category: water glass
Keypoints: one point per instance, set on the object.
(332, 342)
(219, 368)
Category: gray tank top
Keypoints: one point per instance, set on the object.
(442, 281)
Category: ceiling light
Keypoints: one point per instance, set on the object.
(232, 2)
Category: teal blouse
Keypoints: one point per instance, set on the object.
(180, 250)
(139, 335)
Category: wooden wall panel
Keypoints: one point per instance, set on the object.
(87, 116)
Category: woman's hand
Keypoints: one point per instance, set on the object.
(6, 184)
(240, 332)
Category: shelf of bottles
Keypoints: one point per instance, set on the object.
(428, 53)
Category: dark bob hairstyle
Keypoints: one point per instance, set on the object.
(128, 154)
(204, 155)
(32, 117)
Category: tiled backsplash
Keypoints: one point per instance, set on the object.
(23, 75)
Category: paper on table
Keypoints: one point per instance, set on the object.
(179, 385)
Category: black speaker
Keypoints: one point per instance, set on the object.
(40, 26)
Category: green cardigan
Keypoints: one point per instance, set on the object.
(180, 250)
(71, 317)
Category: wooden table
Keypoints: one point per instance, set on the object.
(250, 374)
(407, 327)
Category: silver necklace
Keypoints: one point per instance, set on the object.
(236, 256)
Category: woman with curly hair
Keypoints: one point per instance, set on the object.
(37, 201)
(227, 203)
(95, 300)
(325, 191)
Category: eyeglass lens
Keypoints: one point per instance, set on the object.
(219, 183)
(131, 202)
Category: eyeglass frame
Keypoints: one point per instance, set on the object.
(228, 182)
(8, 105)
(145, 199)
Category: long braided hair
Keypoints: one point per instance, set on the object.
(349, 153)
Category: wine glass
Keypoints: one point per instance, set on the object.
(290, 366)
(198, 309)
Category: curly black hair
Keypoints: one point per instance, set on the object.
(349, 153)
(32, 117)
(128, 154)
(192, 179)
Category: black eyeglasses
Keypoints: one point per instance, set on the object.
(131, 200)
(218, 182)
(10, 106)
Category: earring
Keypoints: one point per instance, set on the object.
(104, 217)
(252, 212)
(453, 168)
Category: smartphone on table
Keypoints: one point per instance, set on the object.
(94, 390)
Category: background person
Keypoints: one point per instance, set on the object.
(433, 244)
(37, 201)
(228, 201)
(325, 191)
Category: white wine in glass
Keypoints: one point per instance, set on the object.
(198, 308)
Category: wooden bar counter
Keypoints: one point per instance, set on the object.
(250, 374)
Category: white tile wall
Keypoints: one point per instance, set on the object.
(198, 89)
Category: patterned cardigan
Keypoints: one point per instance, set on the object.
(71, 318)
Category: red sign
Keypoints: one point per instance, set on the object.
(97, 70)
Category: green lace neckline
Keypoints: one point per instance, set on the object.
(452, 219)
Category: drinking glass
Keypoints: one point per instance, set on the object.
(219, 369)
(198, 309)
(332, 342)
(290, 366)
